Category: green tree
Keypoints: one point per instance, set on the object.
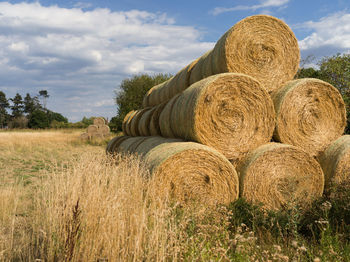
(54, 116)
(44, 96)
(31, 104)
(18, 106)
(131, 91)
(4, 105)
(39, 119)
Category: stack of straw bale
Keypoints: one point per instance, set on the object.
(235, 118)
(99, 129)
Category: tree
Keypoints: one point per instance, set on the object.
(38, 119)
(44, 95)
(31, 104)
(131, 91)
(4, 104)
(18, 106)
(54, 116)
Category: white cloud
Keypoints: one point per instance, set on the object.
(263, 4)
(329, 35)
(86, 53)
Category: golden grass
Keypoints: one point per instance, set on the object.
(79, 205)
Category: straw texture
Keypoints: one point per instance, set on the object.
(92, 130)
(185, 171)
(165, 91)
(335, 161)
(144, 122)
(310, 114)
(278, 175)
(99, 121)
(126, 122)
(261, 46)
(154, 127)
(229, 112)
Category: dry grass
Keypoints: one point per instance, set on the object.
(79, 205)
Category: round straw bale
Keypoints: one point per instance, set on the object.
(230, 112)
(113, 144)
(278, 175)
(128, 145)
(92, 130)
(186, 171)
(310, 113)
(126, 122)
(335, 162)
(261, 46)
(104, 130)
(166, 90)
(134, 123)
(99, 121)
(165, 118)
(84, 136)
(145, 121)
(154, 128)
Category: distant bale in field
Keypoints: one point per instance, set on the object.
(310, 114)
(277, 175)
(230, 112)
(104, 130)
(84, 136)
(185, 171)
(165, 91)
(92, 130)
(99, 121)
(335, 161)
(261, 46)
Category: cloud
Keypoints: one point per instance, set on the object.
(263, 4)
(85, 54)
(329, 35)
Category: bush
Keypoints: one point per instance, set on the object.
(38, 119)
(18, 122)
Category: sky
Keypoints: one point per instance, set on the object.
(81, 51)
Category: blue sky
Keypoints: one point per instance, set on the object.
(81, 51)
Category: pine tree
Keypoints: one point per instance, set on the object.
(4, 104)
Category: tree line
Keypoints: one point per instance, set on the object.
(30, 111)
(334, 70)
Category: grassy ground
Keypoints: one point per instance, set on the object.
(63, 199)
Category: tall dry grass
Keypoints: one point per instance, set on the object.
(82, 205)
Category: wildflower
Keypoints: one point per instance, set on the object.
(294, 244)
(302, 248)
(277, 248)
(317, 259)
(326, 206)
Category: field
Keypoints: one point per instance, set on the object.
(63, 199)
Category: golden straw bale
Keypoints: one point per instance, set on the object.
(134, 123)
(104, 130)
(114, 143)
(99, 121)
(278, 175)
(335, 161)
(165, 91)
(84, 136)
(145, 122)
(230, 112)
(154, 128)
(261, 46)
(92, 130)
(310, 113)
(186, 171)
(126, 122)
